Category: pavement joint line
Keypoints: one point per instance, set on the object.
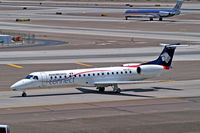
(93, 102)
(83, 64)
(17, 66)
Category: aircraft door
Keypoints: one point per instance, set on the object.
(44, 79)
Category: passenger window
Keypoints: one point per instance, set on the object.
(108, 73)
(65, 76)
(121, 72)
(98, 74)
(117, 72)
(88, 74)
(51, 77)
(84, 75)
(102, 74)
(93, 74)
(80, 75)
(112, 73)
(55, 77)
(125, 71)
(74, 75)
(130, 72)
(60, 77)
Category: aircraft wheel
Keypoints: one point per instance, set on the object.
(101, 89)
(151, 19)
(160, 19)
(24, 94)
(117, 91)
(126, 18)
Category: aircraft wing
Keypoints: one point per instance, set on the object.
(121, 82)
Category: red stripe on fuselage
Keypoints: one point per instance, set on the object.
(166, 67)
(91, 71)
(132, 66)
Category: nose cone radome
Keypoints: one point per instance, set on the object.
(22, 84)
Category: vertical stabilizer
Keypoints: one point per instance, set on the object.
(178, 5)
(166, 55)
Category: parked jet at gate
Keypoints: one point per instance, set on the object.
(100, 77)
(154, 13)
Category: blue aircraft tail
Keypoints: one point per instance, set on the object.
(166, 56)
(178, 5)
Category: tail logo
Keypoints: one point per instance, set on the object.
(165, 57)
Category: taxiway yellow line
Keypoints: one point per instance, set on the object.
(17, 66)
(83, 64)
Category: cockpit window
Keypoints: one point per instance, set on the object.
(35, 77)
(29, 77)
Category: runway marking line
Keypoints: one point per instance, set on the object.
(173, 97)
(17, 66)
(83, 64)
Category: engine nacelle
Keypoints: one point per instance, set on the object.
(165, 14)
(150, 70)
(131, 64)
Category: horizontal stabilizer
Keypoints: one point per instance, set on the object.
(122, 82)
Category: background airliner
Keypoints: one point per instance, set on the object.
(100, 77)
(154, 13)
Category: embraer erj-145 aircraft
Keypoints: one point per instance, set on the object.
(100, 77)
(154, 13)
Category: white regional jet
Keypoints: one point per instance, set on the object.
(100, 77)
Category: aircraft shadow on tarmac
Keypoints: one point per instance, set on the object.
(90, 91)
(151, 89)
(164, 88)
(84, 90)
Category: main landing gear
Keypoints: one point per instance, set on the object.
(160, 19)
(101, 89)
(116, 89)
(24, 94)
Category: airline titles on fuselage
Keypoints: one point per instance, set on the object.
(69, 78)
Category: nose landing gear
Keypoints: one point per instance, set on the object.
(24, 94)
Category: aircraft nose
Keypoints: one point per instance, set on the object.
(17, 85)
(22, 84)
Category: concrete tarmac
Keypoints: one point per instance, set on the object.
(72, 95)
(103, 32)
(141, 116)
(95, 55)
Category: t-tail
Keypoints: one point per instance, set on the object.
(166, 56)
(178, 5)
